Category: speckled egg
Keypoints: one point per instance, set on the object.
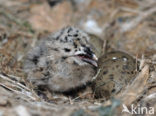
(116, 70)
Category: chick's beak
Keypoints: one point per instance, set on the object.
(91, 59)
(88, 56)
(95, 58)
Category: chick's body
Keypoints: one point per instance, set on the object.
(62, 62)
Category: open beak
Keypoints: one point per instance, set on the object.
(92, 60)
(89, 58)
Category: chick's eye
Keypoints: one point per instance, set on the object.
(67, 50)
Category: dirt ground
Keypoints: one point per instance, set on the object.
(125, 25)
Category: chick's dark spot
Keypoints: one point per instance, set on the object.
(75, 35)
(35, 59)
(66, 38)
(41, 69)
(78, 39)
(64, 57)
(61, 41)
(75, 45)
(57, 38)
(67, 49)
(70, 29)
(88, 51)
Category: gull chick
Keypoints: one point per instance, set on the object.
(62, 62)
